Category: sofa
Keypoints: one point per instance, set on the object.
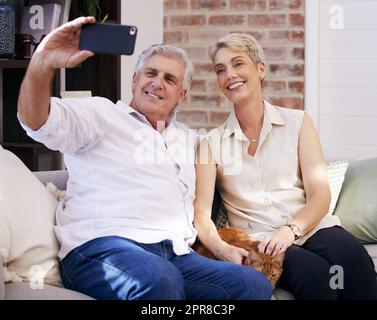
(16, 284)
(29, 267)
(17, 290)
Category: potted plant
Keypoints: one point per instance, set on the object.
(92, 8)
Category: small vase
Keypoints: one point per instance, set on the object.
(7, 29)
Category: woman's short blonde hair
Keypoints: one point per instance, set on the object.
(240, 42)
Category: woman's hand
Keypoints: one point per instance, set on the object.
(231, 253)
(277, 242)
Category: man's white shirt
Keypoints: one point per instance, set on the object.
(125, 178)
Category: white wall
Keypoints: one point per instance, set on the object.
(341, 81)
(147, 15)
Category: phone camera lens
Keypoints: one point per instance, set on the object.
(132, 31)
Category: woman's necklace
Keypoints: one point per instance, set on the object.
(252, 139)
(256, 136)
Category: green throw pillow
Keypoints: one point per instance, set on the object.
(357, 204)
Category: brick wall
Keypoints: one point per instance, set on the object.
(277, 24)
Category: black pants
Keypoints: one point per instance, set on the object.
(308, 274)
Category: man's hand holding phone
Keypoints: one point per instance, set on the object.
(77, 40)
(60, 48)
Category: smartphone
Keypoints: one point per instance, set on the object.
(108, 38)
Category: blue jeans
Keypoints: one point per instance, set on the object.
(119, 268)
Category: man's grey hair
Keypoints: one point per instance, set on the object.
(169, 51)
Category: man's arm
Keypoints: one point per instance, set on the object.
(59, 49)
(35, 94)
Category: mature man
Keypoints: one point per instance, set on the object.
(125, 225)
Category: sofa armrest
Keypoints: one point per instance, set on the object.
(2, 279)
(58, 178)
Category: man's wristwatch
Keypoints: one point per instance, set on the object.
(295, 230)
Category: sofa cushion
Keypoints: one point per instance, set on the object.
(58, 178)
(336, 171)
(2, 279)
(27, 213)
(357, 204)
(372, 250)
(281, 294)
(22, 291)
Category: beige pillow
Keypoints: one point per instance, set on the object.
(336, 171)
(27, 213)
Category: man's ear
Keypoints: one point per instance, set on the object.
(182, 96)
(134, 80)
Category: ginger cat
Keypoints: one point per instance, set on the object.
(271, 267)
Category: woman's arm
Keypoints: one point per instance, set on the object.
(316, 187)
(205, 187)
(314, 177)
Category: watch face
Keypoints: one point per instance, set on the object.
(296, 231)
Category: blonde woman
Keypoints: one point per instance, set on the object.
(268, 166)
